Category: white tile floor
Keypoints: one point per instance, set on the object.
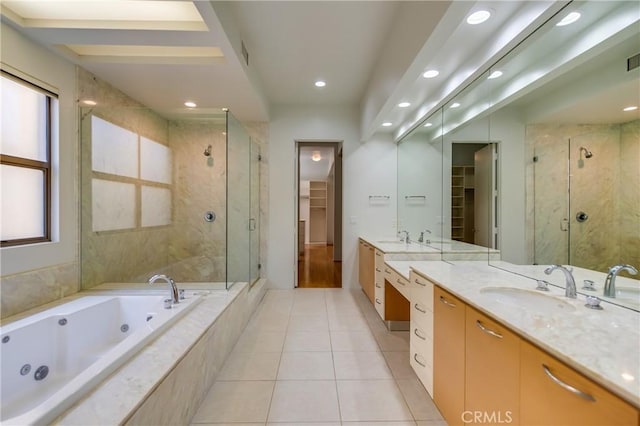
(319, 357)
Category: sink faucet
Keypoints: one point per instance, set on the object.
(610, 282)
(570, 284)
(406, 237)
(421, 238)
(172, 286)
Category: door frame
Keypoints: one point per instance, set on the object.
(338, 199)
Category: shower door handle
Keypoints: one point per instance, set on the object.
(252, 224)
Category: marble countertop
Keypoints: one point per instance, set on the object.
(603, 345)
(435, 246)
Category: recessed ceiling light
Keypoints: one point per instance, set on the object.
(478, 17)
(495, 74)
(320, 83)
(89, 102)
(430, 74)
(225, 109)
(190, 104)
(387, 124)
(569, 19)
(404, 104)
(631, 108)
(428, 124)
(315, 156)
(455, 105)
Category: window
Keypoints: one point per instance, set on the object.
(25, 162)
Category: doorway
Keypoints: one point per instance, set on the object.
(474, 193)
(319, 214)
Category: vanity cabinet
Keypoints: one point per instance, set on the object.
(492, 369)
(421, 335)
(379, 291)
(555, 394)
(366, 269)
(449, 355)
(481, 368)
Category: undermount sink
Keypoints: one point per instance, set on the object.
(535, 301)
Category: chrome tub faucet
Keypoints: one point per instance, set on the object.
(173, 288)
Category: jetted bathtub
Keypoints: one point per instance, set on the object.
(51, 359)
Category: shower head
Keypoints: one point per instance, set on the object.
(587, 153)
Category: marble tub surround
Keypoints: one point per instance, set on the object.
(27, 290)
(160, 385)
(602, 345)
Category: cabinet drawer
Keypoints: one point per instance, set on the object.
(422, 290)
(555, 394)
(423, 369)
(378, 303)
(398, 281)
(421, 343)
(422, 317)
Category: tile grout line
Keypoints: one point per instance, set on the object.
(275, 381)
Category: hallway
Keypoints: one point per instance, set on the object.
(316, 268)
(318, 355)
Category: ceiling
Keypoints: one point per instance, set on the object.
(370, 53)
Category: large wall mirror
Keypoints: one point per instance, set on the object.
(574, 151)
(541, 154)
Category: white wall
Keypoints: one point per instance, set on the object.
(38, 65)
(368, 169)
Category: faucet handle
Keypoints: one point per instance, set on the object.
(542, 285)
(588, 285)
(593, 303)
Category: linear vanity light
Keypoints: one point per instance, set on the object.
(630, 108)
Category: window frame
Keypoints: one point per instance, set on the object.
(44, 166)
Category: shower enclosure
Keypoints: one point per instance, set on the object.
(587, 204)
(177, 196)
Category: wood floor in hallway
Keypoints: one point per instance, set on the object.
(316, 268)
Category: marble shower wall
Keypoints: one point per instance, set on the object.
(197, 248)
(597, 188)
(188, 249)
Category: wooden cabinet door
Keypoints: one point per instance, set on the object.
(554, 394)
(366, 269)
(448, 355)
(492, 385)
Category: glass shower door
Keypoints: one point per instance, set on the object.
(254, 213)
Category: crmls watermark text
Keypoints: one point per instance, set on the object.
(493, 417)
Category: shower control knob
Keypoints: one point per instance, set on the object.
(581, 216)
(209, 216)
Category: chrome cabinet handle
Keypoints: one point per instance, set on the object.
(399, 282)
(566, 386)
(378, 302)
(418, 282)
(446, 302)
(378, 286)
(415, 357)
(418, 308)
(482, 327)
(378, 254)
(387, 271)
(378, 270)
(415, 331)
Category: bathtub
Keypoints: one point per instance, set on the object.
(51, 359)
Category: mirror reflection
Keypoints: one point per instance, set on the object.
(561, 146)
